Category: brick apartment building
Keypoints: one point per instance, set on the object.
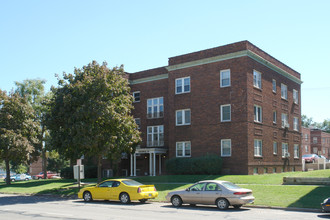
(305, 141)
(235, 101)
(320, 142)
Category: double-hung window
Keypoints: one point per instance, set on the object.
(295, 124)
(136, 96)
(274, 85)
(295, 96)
(183, 149)
(257, 113)
(285, 150)
(296, 151)
(138, 122)
(285, 121)
(225, 112)
(256, 79)
(155, 108)
(155, 136)
(284, 91)
(182, 85)
(226, 147)
(275, 148)
(225, 78)
(257, 148)
(183, 117)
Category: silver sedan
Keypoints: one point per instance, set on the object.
(212, 192)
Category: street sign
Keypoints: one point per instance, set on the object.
(78, 169)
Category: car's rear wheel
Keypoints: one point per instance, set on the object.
(143, 200)
(13, 180)
(26, 179)
(237, 206)
(222, 203)
(39, 178)
(176, 201)
(87, 196)
(124, 198)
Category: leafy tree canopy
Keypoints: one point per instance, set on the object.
(18, 129)
(90, 113)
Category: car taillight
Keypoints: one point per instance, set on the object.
(240, 193)
(139, 190)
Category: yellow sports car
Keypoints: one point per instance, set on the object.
(124, 190)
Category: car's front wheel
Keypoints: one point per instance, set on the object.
(222, 203)
(176, 201)
(124, 198)
(87, 196)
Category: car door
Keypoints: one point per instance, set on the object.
(193, 194)
(211, 192)
(103, 190)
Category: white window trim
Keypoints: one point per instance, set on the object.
(222, 71)
(160, 142)
(273, 86)
(296, 125)
(182, 80)
(286, 123)
(254, 118)
(275, 122)
(254, 148)
(275, 153)
(134, 96)
(223, 140)
(285, 150)
(183, 148)
(221, 116)
(158, 114)
(258, 78)
(183, 117)
(286, 93)
(295, 99)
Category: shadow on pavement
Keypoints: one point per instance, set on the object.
(107, 202)
(6, 199)
(325, 216)
(206, 208)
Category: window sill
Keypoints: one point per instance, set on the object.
(224, 86)
(257, 88)
(182, 125)
(226, 121)
(225, 155)
(258, 122)
(284, 99)
(258, 157)
(182, 93)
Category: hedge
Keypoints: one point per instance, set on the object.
(90, 172)
(207, 164)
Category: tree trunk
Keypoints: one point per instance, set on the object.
(44, 162)
(99, 168)
(7, 172)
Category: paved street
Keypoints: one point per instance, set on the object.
(42, 207)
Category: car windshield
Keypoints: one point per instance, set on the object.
(230, 185)
(132, 183)
(308, 155)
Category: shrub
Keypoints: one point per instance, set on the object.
(207, 164)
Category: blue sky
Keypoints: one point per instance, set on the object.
(41, 38)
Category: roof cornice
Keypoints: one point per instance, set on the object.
(234, 55)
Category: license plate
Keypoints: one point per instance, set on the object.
(150, 195)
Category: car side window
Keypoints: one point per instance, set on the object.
(197, 187)
(106, 184)
(212, 187)
(115, 184)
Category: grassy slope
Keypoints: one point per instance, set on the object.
(266, 188)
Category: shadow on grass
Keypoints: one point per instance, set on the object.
(313, 199)
(34, 183)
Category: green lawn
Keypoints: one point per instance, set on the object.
(267, 189)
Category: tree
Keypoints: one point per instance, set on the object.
(305, 121)
(90, 114)
(325, 126)
(18, 130)
(34, 91)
